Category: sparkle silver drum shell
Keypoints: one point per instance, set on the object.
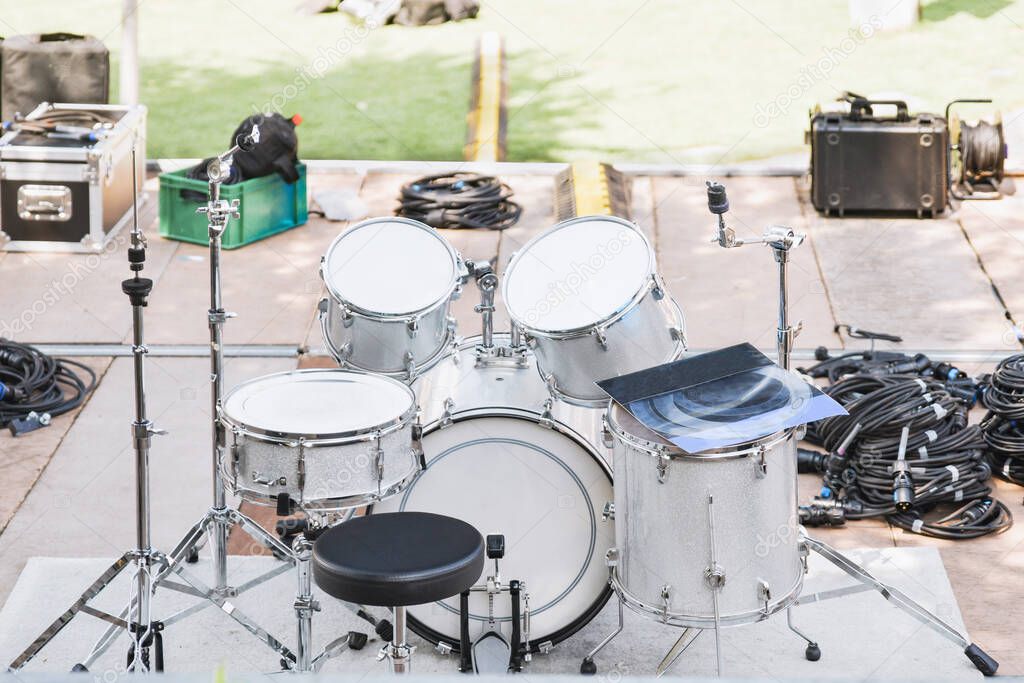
(470, 379)
(675, 510)
(390, 283)
(497, 458)
(330, 439)
(592, 305)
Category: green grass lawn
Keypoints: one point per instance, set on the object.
(665, 81)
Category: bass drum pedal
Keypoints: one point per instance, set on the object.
(492, 652)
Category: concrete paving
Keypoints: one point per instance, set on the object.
(67, 489)
(861, 637)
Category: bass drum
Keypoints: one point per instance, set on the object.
(523, 474)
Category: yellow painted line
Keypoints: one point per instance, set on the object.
(590, 189)
(485, 118)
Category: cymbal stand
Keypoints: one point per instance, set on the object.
(145, 652)
(781, 240)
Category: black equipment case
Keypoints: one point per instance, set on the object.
(62, 191)
(864, 162)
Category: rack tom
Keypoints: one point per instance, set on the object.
(329, 439)
(588, 297)
(390, 284)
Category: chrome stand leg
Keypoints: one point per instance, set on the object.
(714, 577)
(305, 605)
(587, 666)
(398, 652)
(813, 652)
(685, 640)
(981, 660)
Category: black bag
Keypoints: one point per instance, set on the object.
(53, 67)
(864, 162)
(427, 12)
(276, 152)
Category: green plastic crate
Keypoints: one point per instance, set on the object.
(268, 205)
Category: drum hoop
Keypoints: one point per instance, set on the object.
(657, 450)
(339, 298)
(315, 440)
(616, 315)
(692, 621)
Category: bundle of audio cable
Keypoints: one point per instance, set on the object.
(1003, 426)
(904, 452)
(35, 387)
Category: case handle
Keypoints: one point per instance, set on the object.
(863, 108)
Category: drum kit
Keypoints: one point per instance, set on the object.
(506, 430)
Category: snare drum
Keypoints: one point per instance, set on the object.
(688, 523)
(390, 283)
(592, 305)
(498, 458)
(330, 439)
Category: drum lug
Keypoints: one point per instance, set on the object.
(546, 647)
(442, 648)
(663, 461)
(546, 419)
(606, 433)
(529, 341)
(412, 326)
(764, 594)
(346, 317)
(552, 385)
(377, 457)
(609, 511)
(345, 351)
(602, 337)
(417, 443)
(300, 467)
(611, 557)
(410, 365)
(678, 335)
(658, 289)
(666, 596)
(321, 308)
(446, 416)
(760, 459)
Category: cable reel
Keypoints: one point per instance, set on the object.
(977, 155)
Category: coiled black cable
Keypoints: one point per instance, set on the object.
(1003, 425)
(907, 453)
(31, 381)
(982, 153)
(459, 200)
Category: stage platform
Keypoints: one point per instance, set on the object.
(68, 488)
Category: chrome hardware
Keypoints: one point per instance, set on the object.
(760, 459)
(259, 478)
(662, 465)
(44, 203)
(609, 511)
(449, 409)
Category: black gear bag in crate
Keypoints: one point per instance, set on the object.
(276, 152)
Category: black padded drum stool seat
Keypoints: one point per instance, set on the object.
(395, 560)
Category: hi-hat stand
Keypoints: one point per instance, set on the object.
(781, 240)
(154, 568)
(145, 652)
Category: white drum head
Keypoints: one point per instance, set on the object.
(577, 274)
(318, 403)
(391, 266)
(540, 488)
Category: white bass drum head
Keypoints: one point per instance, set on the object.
(545, 492)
